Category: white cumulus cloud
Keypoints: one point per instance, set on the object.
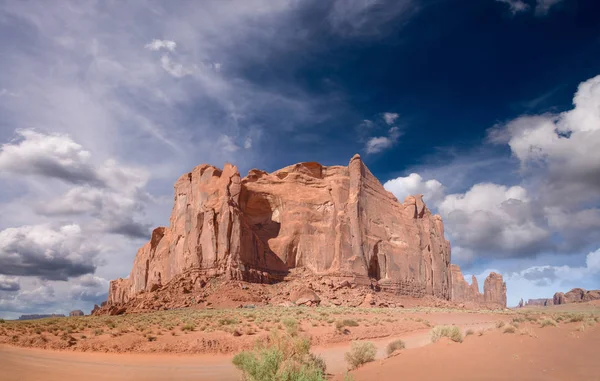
(381, 143)
(390, 117)
(161, 44)
(401, 187)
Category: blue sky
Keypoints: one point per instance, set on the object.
(490, 108)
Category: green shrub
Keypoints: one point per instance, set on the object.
(548, 322)
(2, 321)
(453, 333)
(394, 346)
(360, 353)
(287, 358)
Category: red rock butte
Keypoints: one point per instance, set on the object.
(335, 221)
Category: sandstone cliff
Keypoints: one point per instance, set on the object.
(332, 221)
(544, 302)
(494, 289)
(576, 295)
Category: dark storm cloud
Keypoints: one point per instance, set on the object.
(9, 284)
(130, 228)
(52, 254)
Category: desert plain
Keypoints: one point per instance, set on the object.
(531, 343)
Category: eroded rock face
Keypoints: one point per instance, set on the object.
(494, 289)
(76, 313)
(540, 302)
(333, 221)
(463, 291)
(576, 295)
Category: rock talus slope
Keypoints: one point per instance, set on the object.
(332, 221)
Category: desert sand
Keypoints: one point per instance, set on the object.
(549, 353)
(531, 352)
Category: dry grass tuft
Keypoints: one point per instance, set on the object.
(548, 322)
(360, 353)
(394, 346)
(453, 333)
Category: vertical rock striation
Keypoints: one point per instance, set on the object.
(494, 289)
(334, 221)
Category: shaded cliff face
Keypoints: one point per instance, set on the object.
(334, 221)
(540, 302)
(494, 289)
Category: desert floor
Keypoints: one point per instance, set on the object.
(532, 352)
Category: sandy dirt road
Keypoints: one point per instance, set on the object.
(25, 364)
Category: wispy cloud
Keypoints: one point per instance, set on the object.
(516, 6)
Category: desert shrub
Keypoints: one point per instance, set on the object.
(510, 329)
(286, 358)
(227, 321)
(500, 324)
(518, 319)
(151, 338)
(98, 332)
(453, 333)
(548, 322)
(350, 323)
(577, 318)
(469, 332)
(531, 318)
(2, 321)
(360, 353)
(188, 327)
(318, 362)
(394, 346)
(527, 331)
(581, 328)
(291, 325)
(340, 325)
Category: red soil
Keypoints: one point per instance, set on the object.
(557, 353)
